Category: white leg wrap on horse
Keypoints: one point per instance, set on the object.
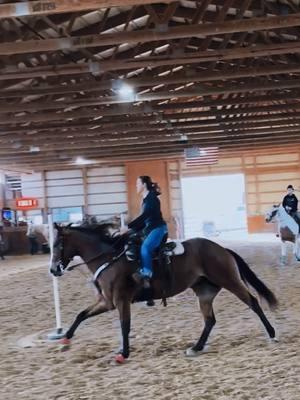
(283, 249)
(274, 340)
(192, 353)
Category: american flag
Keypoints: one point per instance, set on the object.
(201, 156)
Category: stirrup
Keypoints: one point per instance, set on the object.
(146, 282)
(137, 277)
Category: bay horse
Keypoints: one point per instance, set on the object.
(288, 230)
(205, 266)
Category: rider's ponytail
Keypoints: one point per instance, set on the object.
(151, 186)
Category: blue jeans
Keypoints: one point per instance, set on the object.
(152, 242)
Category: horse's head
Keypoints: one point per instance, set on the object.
(63, 250)
(271, 214)
(87, 241)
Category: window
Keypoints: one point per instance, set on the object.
(67, 214)
(13, 187)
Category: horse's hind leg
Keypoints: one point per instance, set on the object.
(206, 292)
(97, 308)
(243, 294)
(283, 257)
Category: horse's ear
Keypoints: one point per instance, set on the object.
(57, 227)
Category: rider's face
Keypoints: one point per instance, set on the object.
(290, 191)
(139, 185)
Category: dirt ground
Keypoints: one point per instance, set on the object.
(240, 363)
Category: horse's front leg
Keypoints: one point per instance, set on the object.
(283, 258)
(296, 248)
(100, 307)
(123, 306)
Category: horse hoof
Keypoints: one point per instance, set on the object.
(65, 344)
(192, 353)
(120, 359)
(283, 261)
(275, 340)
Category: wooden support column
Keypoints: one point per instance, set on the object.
(85, 191)
(45, 198)
(181, 228)
(172, 222)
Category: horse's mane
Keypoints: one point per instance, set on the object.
(100, 231)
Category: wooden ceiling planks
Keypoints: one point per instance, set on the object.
(220, 73)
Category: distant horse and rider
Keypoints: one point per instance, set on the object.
(203, 266)
(288, 219)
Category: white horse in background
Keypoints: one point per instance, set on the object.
(288, 231)
(40, 231)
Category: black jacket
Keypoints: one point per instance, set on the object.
(150, 217)
(290, 200)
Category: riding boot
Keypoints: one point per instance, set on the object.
(141, 280)
(137, 277)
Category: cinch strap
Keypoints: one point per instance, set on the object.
(99, 270)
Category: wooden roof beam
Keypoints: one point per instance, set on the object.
(96, 152)
(47, 7)
(164, 95)
(73, 141)
(193, 76)
(51, 116)
(100, 67)
(240, 122)
(208, 29)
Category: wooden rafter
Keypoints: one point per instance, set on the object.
(179, 32)
(46, 7)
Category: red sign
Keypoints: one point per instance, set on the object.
(26, 203)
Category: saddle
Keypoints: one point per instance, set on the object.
(162, 259)
(166, 249)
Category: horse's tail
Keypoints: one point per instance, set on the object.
(249, 276)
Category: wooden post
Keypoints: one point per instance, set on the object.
(85, 191)
(45, 198)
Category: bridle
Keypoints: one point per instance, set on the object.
(272, 214)
(63, 267)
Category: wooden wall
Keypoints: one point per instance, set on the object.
(108, 190)
(267, 174)
(101, 191)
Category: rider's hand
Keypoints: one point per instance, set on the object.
(124, 230)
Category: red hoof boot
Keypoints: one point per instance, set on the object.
(120, 359)
(65, 344)
(65, 341)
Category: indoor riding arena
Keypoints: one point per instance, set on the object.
(202, 97)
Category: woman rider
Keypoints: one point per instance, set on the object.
(153, 225)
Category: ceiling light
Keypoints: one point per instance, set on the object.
(82, 161)
(124, 90)
(34, 149)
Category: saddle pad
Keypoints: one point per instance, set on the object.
(177, 248)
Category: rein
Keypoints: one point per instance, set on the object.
(97, 256)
